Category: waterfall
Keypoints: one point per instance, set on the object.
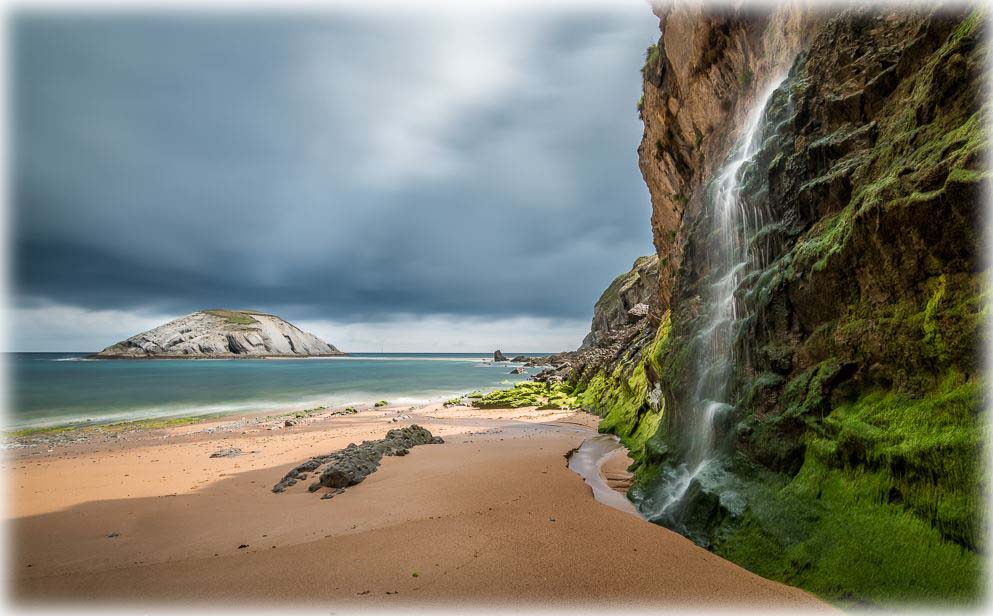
(731, 255)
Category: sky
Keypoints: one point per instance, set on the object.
(402, 180)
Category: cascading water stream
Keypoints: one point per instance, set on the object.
(733, 224)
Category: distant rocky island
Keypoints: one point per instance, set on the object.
(221, 333)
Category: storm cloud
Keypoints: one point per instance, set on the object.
(339, 167)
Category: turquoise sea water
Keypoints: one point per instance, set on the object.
(49, 389)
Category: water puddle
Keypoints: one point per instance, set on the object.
(601, 461)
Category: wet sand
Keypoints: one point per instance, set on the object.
(491, 518)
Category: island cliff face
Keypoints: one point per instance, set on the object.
(221, 333)
(845, 456)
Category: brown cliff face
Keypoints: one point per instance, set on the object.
(841, 416)
(699, 81)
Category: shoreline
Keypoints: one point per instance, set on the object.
(87, 427)
(17, 436)
(90, 428)
(492, 516)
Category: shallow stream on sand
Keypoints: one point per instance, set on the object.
(590, 460)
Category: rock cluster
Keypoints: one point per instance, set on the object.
(624, 318)
(349, 466)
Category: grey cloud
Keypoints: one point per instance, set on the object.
(296, 162)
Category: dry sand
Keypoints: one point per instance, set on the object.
(491, 518)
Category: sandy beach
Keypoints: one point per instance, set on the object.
(493, 517)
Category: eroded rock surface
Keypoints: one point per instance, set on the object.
(349, 466)
(627, 311)
(221, 333)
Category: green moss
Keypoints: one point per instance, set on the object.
(304, 413)
(931, 326)
(927, 448)
(652, 57)
(157, 424)
(622, 397)
(233, 317)
(47, 430)
(746, 78)
(620, 400)
(381, 403)
(828, 533)
(528, 393)
(824, 240)
(141, 424)
(889, 494)
(920, 144)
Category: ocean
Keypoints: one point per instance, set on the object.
(53, 389)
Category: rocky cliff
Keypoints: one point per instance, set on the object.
(830, 437)
(698, 82)
(221, 333)
(626, 313)
(629, 298)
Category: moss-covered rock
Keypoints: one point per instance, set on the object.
(851, 460)
(543, 395)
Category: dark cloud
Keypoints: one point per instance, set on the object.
(339, 166)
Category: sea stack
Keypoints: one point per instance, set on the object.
(222, 334)
(498, 356)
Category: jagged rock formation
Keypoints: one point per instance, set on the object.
(221, 333)
(850, 444)
(627, 311)
(351, 465)
(627, 300)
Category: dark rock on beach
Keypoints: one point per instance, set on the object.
(230, 452)
(498, 356)
(349, 466)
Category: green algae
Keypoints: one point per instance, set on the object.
(528, 393)
(138, 424)
(829, 532)
(623, 398)
(885, 508)
(47, 430)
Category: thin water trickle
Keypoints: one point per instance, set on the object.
(587, 461)
(731, 256)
